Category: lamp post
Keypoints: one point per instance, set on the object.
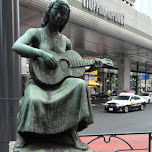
(137, 79)
(145, 75)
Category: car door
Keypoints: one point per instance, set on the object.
(133, 102)
(137, 101)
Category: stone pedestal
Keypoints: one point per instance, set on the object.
(46, 147)
(11, 146)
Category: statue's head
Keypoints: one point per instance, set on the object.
(54, 8)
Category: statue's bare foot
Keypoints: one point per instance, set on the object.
(80, 145)
(20, 142)
(76, 140)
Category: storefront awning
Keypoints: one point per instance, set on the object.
(92, 83)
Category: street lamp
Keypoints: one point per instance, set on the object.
(145, 75)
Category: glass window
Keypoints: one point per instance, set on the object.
(132, 98)
(137, 98)
(122, 98)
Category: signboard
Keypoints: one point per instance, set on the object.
(91, 75)
(145, 69)
(94, 6)
(93, 72)
(145, 76)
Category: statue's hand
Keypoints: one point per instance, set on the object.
(98, 63)
(50, 60)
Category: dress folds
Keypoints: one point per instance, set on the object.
(55, 109)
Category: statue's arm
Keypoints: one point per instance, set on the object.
(68, 45)
(21, 46)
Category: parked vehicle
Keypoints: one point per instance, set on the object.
(99, 95)
(114, 93)
(147, 96)
(125, 102)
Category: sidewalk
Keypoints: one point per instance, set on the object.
(136, 141)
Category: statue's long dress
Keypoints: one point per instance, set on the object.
(55, 109)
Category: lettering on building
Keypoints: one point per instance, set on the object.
(94, 6)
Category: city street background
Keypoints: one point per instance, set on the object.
(105, 122)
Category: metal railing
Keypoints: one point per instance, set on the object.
(113, 135)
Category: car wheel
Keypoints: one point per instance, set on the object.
(142, 107)
(125, 109)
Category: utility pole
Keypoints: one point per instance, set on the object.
(137, 78)
(10, 74)
(146, 75)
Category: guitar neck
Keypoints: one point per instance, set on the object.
(81, 63)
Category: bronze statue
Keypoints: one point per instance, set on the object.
(62, 107)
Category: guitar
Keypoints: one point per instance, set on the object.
(70, 64)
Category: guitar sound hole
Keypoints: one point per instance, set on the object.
(64, 64)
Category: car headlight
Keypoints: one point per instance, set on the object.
(118, 105)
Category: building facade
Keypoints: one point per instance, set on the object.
(109, 29)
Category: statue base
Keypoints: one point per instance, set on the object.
(49, 147)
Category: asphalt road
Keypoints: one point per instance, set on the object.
(135, 121)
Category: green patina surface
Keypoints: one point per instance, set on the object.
(78, 5)
(49, 147)
(49, 111)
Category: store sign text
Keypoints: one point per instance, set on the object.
(93, 5)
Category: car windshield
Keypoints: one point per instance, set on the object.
(122, 98)
(144, 94)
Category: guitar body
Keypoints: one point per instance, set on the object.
(69, 65)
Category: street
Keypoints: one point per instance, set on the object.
(104, 123)
(134, 121)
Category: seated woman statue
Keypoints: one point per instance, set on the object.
(65, 106)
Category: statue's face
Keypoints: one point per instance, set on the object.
(59, 14)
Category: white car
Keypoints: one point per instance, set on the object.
(147, 96)
(125, 102)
